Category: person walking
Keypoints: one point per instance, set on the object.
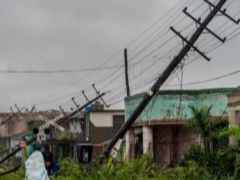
(35, 166)
(48, 157)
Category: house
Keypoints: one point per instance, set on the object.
(94, 125)
(13, 124)
(102, 124)
(160, 129)
(15, 127)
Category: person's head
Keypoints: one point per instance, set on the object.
(38, 147)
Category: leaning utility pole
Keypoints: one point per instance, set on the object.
(167, 72)
(126, 72)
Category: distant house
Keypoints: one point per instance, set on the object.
(160, 128)
(15, 127)
(13, 124)
(102, 125)
(93, 125)
(97, 126)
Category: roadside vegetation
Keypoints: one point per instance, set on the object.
(215, 159)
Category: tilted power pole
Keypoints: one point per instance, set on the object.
(167, 72)
(126, 72)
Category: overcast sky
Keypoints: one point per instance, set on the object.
(75, 34)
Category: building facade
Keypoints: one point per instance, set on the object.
(94, 125)
(161, 129)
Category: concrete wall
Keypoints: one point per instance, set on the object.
(168, 147)
(103, 119)
(130, 137)
(100, 126)
(2, 131)
(18, 125)
(147, 139)
(162, 137)
(14, 126)
(165, 105)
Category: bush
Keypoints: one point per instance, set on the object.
(141, 168)
(190, 171)
(17, 175)
(68, 171)
(220, 162)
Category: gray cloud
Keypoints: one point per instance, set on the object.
(74, 34)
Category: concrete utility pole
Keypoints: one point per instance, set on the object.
(126, 72)
(164, 76)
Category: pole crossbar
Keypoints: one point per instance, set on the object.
(223, 12)
(199, 23)
(194, 48)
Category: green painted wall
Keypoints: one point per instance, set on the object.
(165, 105)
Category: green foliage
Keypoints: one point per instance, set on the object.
(141, 168)
(200, 119)
(208, 127)
(233, 150)
(231, 130)
(137, 169)
(188, 172)
(68, 171)
(17, 175)
(215, 155)
(217, 162)
(237, 166)
(194, 153)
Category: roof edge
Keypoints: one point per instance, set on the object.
(189, 92)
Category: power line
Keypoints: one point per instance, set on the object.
(159, 20)
(210, 80)
(119, 94)
(165, 24)
(114, 72)
(111, 58)
(118, 98)
(139, 37)
(151, 81)
(206, 48)
(153, 51)
(58, 71)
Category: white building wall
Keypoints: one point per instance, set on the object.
(103, 119)
(147, 139)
